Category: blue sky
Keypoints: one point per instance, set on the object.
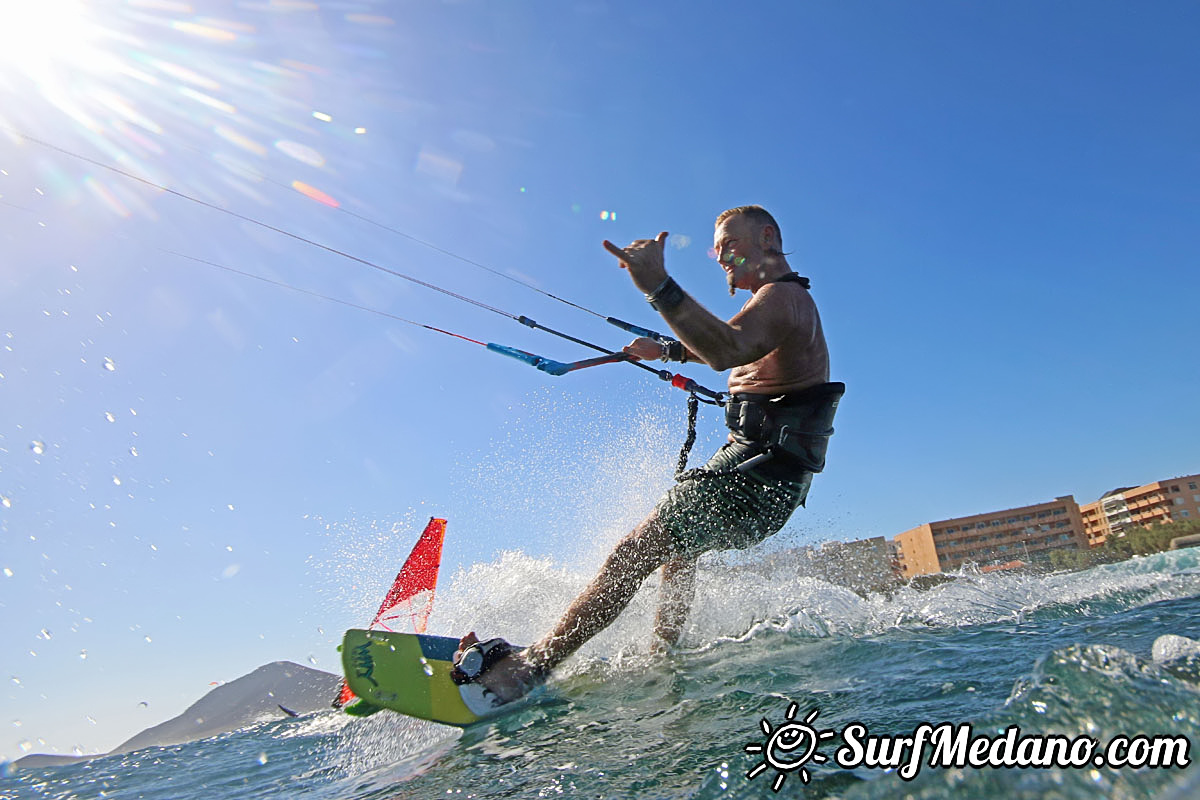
(202, 472)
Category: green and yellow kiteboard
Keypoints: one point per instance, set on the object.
(410, 673)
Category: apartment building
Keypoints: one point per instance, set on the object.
(1016, 534)
(1173, 500)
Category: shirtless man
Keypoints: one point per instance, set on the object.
(780, 412)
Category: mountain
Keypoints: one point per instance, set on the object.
(248, 700)
(44, 760)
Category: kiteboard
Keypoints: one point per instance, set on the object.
(410, 673)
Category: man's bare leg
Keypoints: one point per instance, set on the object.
(675, 595)
(647, 548)
(644, 550)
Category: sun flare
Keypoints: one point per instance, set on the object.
(41, 37)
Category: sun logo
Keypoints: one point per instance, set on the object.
(789, 747)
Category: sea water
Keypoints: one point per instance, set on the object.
(1097, 654)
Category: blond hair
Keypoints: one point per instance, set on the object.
(757, 214)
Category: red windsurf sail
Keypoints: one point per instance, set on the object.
(344, 695)
(411, 595)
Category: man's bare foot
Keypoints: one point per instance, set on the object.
(509, 678)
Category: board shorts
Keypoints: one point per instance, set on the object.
(715, 507)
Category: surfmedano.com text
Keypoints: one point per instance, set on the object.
(955, 746)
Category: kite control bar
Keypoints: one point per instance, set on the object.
(638, 330)
(556, 368)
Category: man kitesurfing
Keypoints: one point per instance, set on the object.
(780, 413)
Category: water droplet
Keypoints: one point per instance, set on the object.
(133, 451)
(116, 481)
(83, 655)
(262, 758)
(17, 723)
(147, 640)
(25, 745)
(45, 634)
(360, 131)
(230, 506)
(108, 415)
(38, 447)
(312, 660)
(91, 720)
(16, 681)
(7, 503)
(8, 573)
(109, 364)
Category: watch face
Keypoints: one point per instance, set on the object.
(471, 662)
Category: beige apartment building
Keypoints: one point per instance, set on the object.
(1015, 534)
(1174, 500)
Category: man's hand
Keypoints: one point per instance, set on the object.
(644, 260)
(644, 349)
(464, 643)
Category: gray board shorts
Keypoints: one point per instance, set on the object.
(716, 508)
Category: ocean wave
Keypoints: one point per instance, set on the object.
(1082, 690)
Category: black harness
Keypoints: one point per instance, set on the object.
(793, 428)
